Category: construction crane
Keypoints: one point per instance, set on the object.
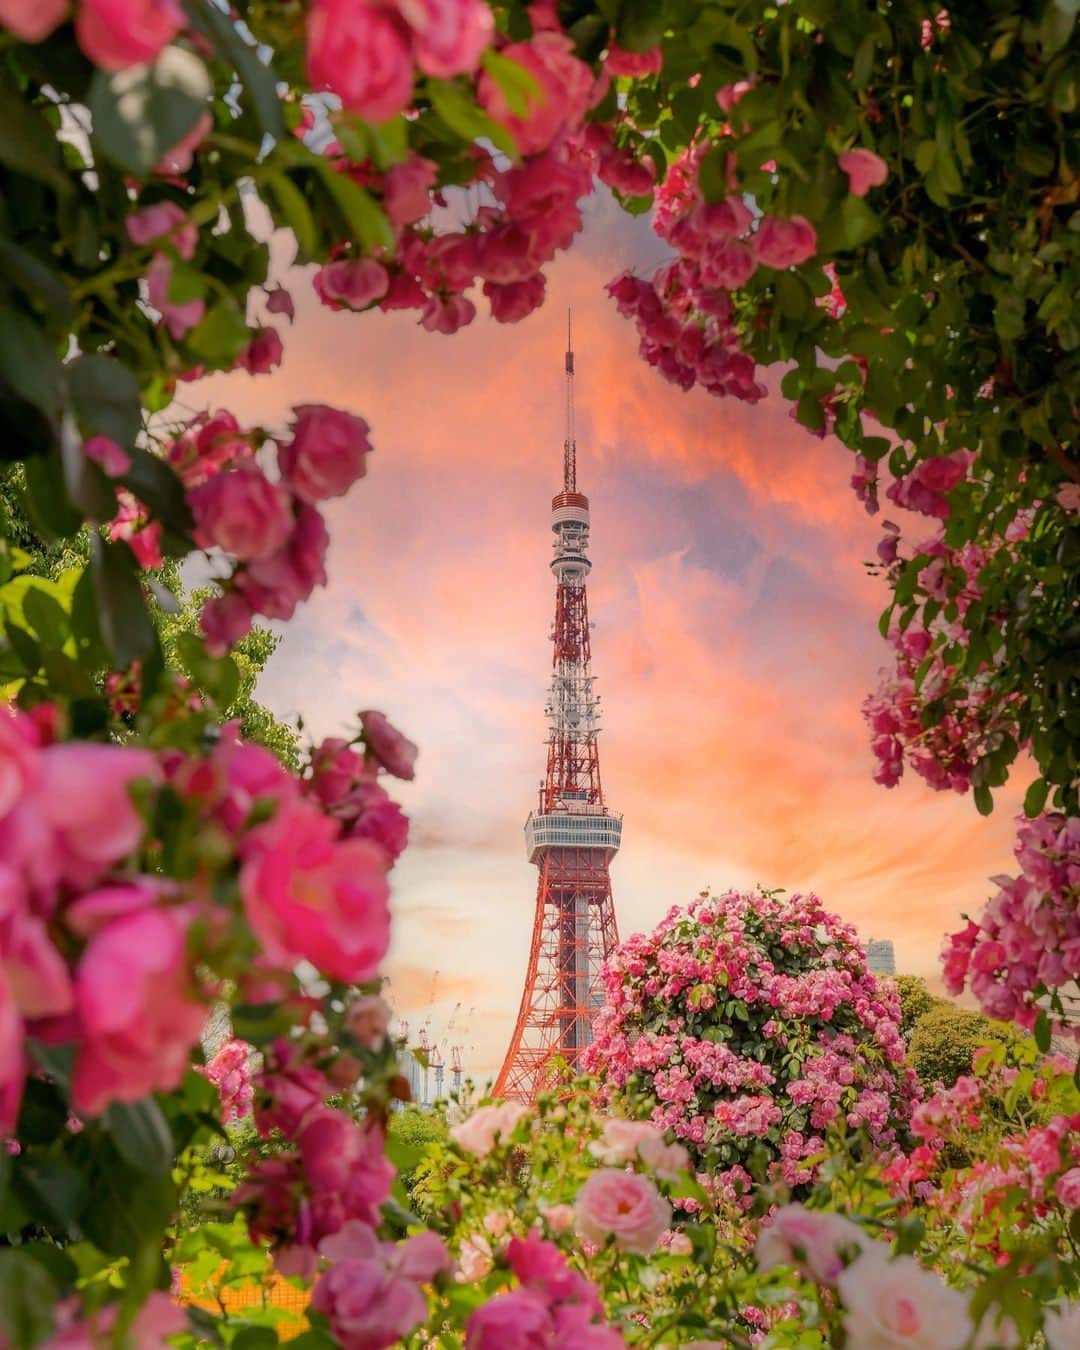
(455, 1068)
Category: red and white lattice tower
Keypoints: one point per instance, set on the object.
(572, 836)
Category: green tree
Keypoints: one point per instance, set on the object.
(943, 1041)
(916, 1001)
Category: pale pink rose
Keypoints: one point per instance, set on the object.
(450, 34)
(406, 194)
(784, 243)
(179, 158)
(32, 20)
(19, 760)
(897, 1303)
(111, 458)
(393, 751)
(179, 317)
(864, 169)
(1068, 496)
(309, 895)
(809, 1241)
(620, 1140)
(1061, 1327)
(519, 1320)
(367, 1019)
(1067, 1189)
(361, 52)
(680, 1245)
(496, 1223)
(241, 512)
(327, 453)
(163, 220)
(85, 796)
(559, 1218)
(623, 1205)
(115, 34)
(668, 1161)
(137, 1018)
(487, 1125)
(476, 1260)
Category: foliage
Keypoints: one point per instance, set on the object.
(915, 1002)
(944, 1040)
(749, 1024)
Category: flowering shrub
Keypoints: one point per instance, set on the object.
(748, 1025)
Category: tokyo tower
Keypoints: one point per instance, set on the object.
(571, 836)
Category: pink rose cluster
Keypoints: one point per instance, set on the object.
(345, 784)
(230, 1072)
(270, 530)
(553, 1307)
(1026, 943)
(113, 34)
(525, 213)
(703, 1016)
(685, 315)
(367, 53)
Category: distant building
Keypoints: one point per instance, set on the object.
(880, 957)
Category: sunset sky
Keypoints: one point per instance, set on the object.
(735, 636)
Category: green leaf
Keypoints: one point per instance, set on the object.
(46, 497)
(36, 280)
(519, 86)
(53, 1189)
(712, 175)
(105, 394)
(156, 485)
(221, 335)
(1035, 798)
(27, 1295)
(460, 113)
(28, 361)
(293, 206)
(1042, 1032)
(128, 1211)
(860, 221)
(258, 79)
(641, 25)
(255, 1338)
(126, 628)
(27, 142)
(85, 482)
(46, 616)
(984, 800)
(141, 112)
(141, 1135)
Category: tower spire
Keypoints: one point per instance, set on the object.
(569, 444)
(572, 836)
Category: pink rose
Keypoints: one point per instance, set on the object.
(366, 1020)
(137, 1019)
(620, 1140)
(1061, 1327)
(110, 457)
(179, 317)
(516, 1321)
(327, 453)
(1068, 496)
(224, 620)
(361, 52)
(241, 512)
(163, 220)
(275, 585)
(475, 1260)
(668, 1161)
(335, 767)
(263, 353)
(891, 1303)
(352, 282)
(32, 20)
(86, 798)
(565, 87)
(290, 1091)
(450, 34)
(447, 316)
(115, 34)
(810, 1242)
(406, 195)
(179, 157)
(623, 1205)
(730, 94)
(864, 169)
(479, 1133)
(728, 263)
(634, 64)
(19, 760)
(308, 895)
(784, 243)
(512, 303)
(279, 301)
(1067, 1189)
(559, 1218)
(12, 1057)
(387, 746)
(729, 217)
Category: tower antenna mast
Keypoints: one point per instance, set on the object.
(569, 444)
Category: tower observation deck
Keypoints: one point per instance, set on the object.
(572, 836)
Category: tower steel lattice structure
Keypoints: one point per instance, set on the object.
(571, 836)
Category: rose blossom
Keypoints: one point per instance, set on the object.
(367, 1019)
(263, 353)
(327, 453)
(179, 316)
(352, 282)
(85, 797)
(163, 221)
(475, 1260)
(565, 86)
(1061, 1327)
(406, 194)
(450, 34)
(518, 1320)
(137, 1019)
(1068, 496)
(809, 1241)
(620, 1140)
(224, 620)
(275, 585)
(559, 1218)
(179, 157)
(32, 20)
(241, 512)
(115, 34)
(784, 243)
(111, 458)
(360, 52)
(479, 1132)
(864, 169)
(395, 752)
(623, 1205)
(897, 1303)
(309, 895)
(19, 763)
(1067, 1189)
